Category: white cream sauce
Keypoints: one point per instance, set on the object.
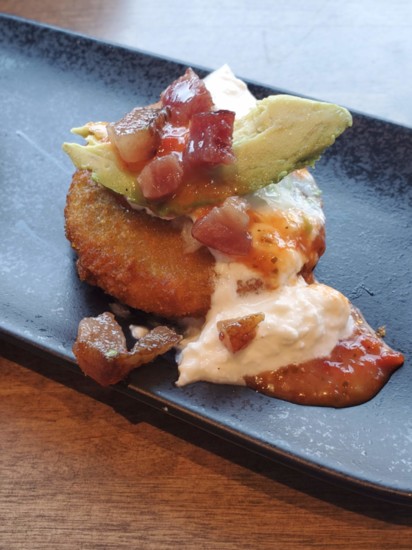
(301, 322)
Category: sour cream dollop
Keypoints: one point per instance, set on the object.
(229, 92)
(301, 322)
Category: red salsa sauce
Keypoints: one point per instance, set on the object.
(356, 369)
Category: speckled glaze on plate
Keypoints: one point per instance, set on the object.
(52, 80)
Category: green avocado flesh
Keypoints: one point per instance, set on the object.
(281, 134)
(106, 168)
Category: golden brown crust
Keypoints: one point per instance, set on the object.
(136, 258)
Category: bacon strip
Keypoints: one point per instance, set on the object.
(101, 352)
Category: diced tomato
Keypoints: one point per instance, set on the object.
(186, 96)
(210, 138)
(161, 177)
(225, 229)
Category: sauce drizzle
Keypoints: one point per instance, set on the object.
(357, 368)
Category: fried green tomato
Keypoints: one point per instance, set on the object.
(138, 259)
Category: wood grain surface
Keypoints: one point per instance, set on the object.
(84, 467)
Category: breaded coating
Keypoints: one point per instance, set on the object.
(138, 259)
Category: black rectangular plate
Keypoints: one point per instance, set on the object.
(52, 80)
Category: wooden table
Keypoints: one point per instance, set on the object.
(83, 467)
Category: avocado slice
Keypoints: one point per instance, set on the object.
(106, 168)
(284, 133)
(279, 135)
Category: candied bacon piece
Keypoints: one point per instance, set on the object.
(161, 177)
(225, 228)
(101, 352)
(210, 138)
(186, 96)
(136, 135)
(237, 334)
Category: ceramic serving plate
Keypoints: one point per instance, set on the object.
(52, 80)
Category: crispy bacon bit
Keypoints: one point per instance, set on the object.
(237, 334)
(101, 351)
(210, 138)
(136, 135)
(225, 229)
(186, 96)
(161, 177)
